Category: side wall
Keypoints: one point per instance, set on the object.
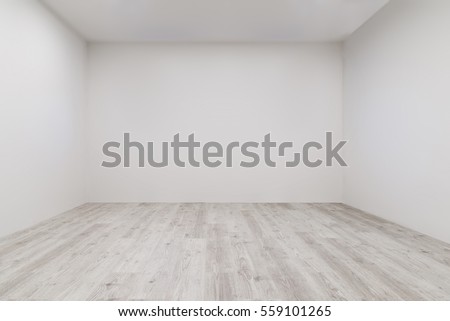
(42, 115)
(397, 116)
(220, 92)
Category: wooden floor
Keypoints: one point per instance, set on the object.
(222, 252)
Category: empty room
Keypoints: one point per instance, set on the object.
(226, 151)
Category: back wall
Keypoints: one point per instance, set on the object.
(220, 92)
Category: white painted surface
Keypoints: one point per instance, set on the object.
(41, 123)
(216, 20)
(397, 116)
(220, 92)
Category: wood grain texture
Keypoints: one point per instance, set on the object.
(206, 251)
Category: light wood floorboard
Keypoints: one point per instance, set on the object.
(202, 251)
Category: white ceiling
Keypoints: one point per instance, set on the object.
(215, 20)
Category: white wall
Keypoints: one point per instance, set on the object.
(41, 122)
(222, 92)
(397, 116)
